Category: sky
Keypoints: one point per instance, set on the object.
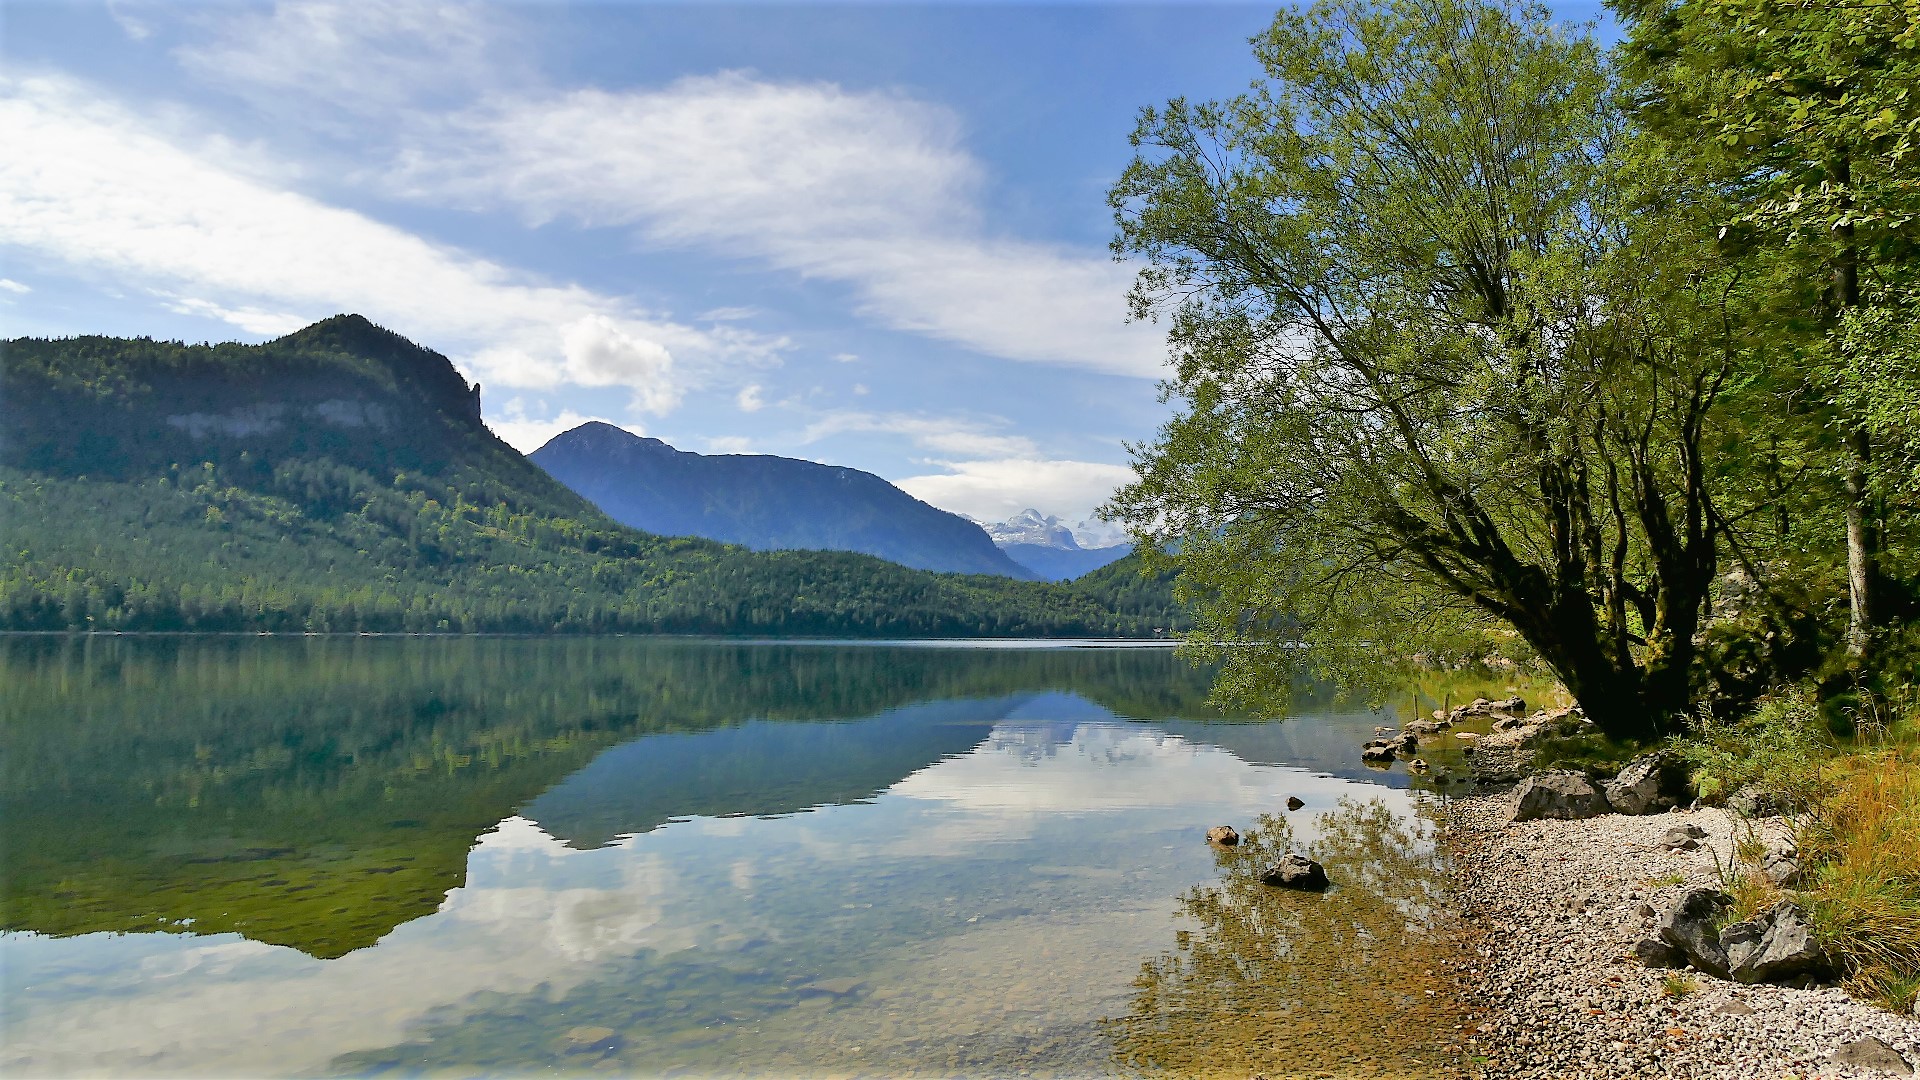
(866, 234)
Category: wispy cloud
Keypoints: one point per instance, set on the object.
(12, 286)
(875, 190)
(361, 58)
(527, 434)
(91, 187)
(940, 434)
(994, 490)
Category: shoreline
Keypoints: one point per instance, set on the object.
(1551, 911)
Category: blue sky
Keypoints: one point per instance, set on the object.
(871, 235)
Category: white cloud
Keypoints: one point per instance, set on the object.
(364, 58)
(749, 399)
(89, 186)
(944, 434)
(871, 189)
(12, 286)
(846, 357)
(527, 434)
(729, 444)
(995, 490)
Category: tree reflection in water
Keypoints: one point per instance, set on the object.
(1270, 982)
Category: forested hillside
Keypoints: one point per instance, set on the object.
(764, 502)
(340, 479)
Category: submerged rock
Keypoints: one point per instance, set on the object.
(1223, 835)
(589, 1040)
(1295, 871)
(1560, 795)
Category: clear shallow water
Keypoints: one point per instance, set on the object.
(391, 857)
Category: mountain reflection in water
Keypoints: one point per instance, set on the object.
(499, 856)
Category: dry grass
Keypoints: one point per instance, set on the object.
(1863, 841)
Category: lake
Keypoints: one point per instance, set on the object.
(630, 856)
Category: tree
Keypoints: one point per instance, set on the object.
(1446, 357)
(1807, 114)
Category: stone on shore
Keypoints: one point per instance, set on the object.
(1650, 784)
(1785, 948)
(1564, 796)
(1871, 1053)
(1689, 927)
(1684, 837)
(1295, 871)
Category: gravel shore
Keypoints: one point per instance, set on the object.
(1553, 910)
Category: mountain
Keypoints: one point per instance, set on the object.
(764, 503)
(1050, 549)
(340, 479)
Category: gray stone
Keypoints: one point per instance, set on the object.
(1649, 784)
(1740, 941)
(1753, 801)
(1786, 951)
(1684, 837)
(1688, 927)
(1783, 870)
(1295, 871)
(1655, 953)
(1223, 835)
(1373, 754)
(1422, 727)
(1871, 1053)
(1736, 1007)
(1559, 795)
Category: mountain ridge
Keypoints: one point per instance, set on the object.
(764, 502)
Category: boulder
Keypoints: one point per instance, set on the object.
(1784, 950)
(1419, 728)
(1294, 803)
(1650, 784)
(1871, 1053)
(1375, 753)
(1295, 871)
(1560, 795)
(1223, 835)
(1688, 927)
(1684, 837)
(1510, 705)
(1655, 953)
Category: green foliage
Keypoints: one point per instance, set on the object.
(1439, 376)
(1782, 748)
(339, 479)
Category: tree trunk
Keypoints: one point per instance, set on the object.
(1862, 553)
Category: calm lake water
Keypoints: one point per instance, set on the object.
(381, 856)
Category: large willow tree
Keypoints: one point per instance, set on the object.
(1445, 352)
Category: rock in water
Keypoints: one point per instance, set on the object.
(1294, 803)
(1649, 784)
(1295, 871)
(1785, 948)
(589, 1040)
(1562, 795)
(1871, 1053)
(1688, 927)
(1223, 835)
(1376, 754)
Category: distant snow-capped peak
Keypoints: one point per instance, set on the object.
(1045, 530)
